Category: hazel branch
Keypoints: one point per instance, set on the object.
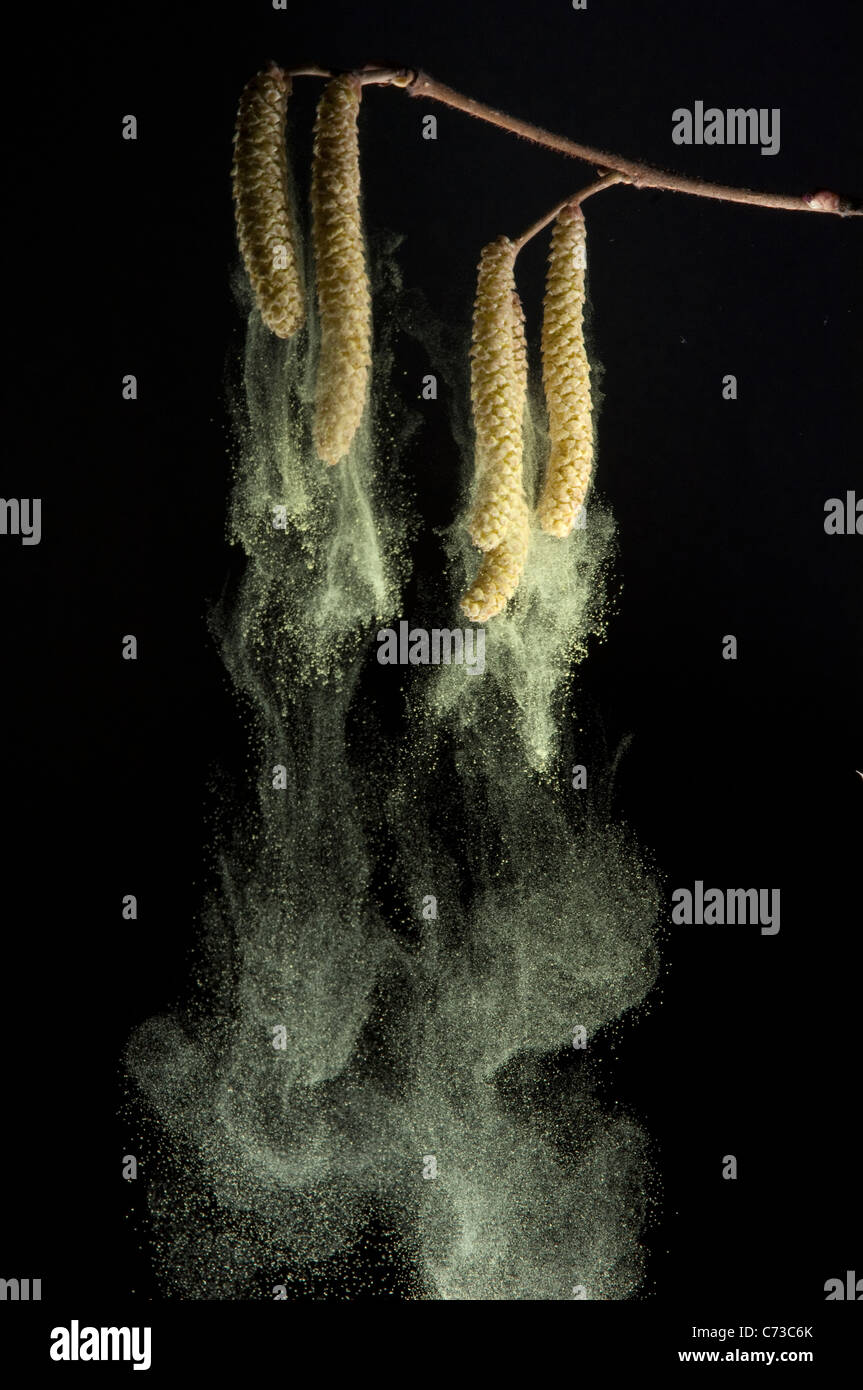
(636, 173)
(640, 175)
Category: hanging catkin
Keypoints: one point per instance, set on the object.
(344, 303)
(265, 222)
(566, 376)
(498, 382)
(504, 563)
(501, 568)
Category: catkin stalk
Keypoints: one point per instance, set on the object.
(566, 376)
(264, 216)
(498, 384)
(344, 302)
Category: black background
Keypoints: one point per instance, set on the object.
(738, 773)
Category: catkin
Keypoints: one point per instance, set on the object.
(501, 568)
(498, 384)
(566, 377)
(503, 564)
(344, 302)
(265, 221)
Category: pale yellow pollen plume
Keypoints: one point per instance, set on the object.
(264, 217)
(344, 301)
(566, 376)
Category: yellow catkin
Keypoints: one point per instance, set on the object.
(501, 568)
(503, 564)
(344, 302)
(265, 222)
(566, 376)
(498, 383)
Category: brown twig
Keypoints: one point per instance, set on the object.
(604, 182)
(391, 77)
(311, 71)
(632, 171)
(639, 175)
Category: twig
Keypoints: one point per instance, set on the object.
(392, 77)
(639, 175)
(605, 182)
(311, 71)
(419, 84)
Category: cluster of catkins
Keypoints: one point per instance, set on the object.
(266, 231)
(499, 521)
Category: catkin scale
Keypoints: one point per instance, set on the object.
(519, 348)
(344, 302)
(264, 216)
(498, 384)
(566, 377)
